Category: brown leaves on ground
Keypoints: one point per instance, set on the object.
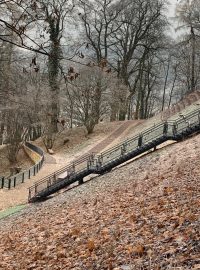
(122, 220)
(91, 245)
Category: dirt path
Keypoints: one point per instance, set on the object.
(9, 198)
(114, 137)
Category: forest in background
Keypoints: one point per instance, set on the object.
(65, 63)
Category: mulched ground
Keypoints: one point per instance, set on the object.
(144, 215)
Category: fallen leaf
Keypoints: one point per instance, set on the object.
(91, 245)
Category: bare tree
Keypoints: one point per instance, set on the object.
(188, 13)
(99, 22)
(122, 33)
(138, 35)
(91, 94)
(47, 18)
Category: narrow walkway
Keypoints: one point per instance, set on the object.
(150, 139)
(13, 197)
(111, 139)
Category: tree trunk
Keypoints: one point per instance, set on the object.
(53, 70)
(129, 106)
(1, 132)
(172, 90)
(193, 82)
(165, 85)
(113, 116)
(97, 96)
(122, 115)
(140, 97)
(143, 99)
(123, 103)
(147, 100)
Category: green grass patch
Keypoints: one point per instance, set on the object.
(12, 210)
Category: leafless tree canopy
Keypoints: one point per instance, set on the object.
(67, 63)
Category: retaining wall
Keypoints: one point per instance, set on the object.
(37, 155)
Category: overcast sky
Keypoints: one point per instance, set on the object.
(172, 6)
(171, 13)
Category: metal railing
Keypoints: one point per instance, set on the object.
(66, 172)
(151, 137)
(13, 181)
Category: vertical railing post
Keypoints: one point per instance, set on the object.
(88, 163)
(2, 182)
(80, 181)
(174, 128)
(99, 161)
(9, 183)
(34, 171)
(73, 168)
(188, 123)
(123, 149)
(29, 195)
(199, 116)
(165, 128)
(29, 174)
(140, 140)
(14, 182)
(49, 182)
(23, 177)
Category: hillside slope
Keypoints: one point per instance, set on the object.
(144, 215)
(23, 161)
(105, 134)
